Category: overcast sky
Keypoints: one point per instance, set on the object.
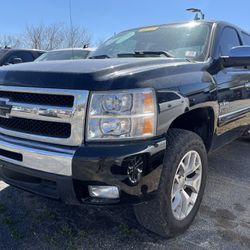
(104, 17)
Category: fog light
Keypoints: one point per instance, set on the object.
(135, 169)
(108, 192)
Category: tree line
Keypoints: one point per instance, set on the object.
(47, 37)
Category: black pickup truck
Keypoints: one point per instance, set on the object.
(132, 124)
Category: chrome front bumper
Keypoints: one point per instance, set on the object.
(37, 156)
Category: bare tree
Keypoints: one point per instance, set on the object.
(10, 41)
(76, 36)
(48, 37)
(55, 36)
(34, 36)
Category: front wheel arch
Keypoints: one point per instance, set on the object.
(201, 121)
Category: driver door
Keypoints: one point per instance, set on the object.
(233, 90)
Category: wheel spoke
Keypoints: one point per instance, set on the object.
(175, 190)
(193, 161)
(192, 170)
(176, 186)
(191, 167)
(186, 162)
(177, 202)
(185, 202)
(183, 167)
(194, 183)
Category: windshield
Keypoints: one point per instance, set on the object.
(188, 40)
(63, 55)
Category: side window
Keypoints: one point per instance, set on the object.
(24, 55)
(38, 54)
(10, 57)
(246, 38)
(229, 39)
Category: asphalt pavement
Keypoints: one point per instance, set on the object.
(223, 222)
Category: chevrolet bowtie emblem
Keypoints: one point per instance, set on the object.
(5, 108)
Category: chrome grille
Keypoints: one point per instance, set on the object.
(46, 115)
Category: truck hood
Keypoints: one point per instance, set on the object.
(90, 74)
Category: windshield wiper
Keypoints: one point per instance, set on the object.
(99, 57)
(146, 53)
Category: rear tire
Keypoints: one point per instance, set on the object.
(170, 213)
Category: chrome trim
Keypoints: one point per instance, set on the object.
(35, 156)
(238, 87)
(226, 118)
(154, 149)
(75, 115)
(5, 108)
(41, 112)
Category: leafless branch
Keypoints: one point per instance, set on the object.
(55, 36)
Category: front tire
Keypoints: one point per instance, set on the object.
(181, 186)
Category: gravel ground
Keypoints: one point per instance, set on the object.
(223, 222)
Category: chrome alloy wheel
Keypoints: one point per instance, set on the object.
(186, 185)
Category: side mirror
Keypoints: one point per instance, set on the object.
(16, 60)
(238, 56)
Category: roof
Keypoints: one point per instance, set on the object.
(66, 49)
(15, 49)
(225, 23)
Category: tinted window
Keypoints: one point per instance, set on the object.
(63, 55)
(229, 39)
(180, 40)
(2, 53)
(24, 55)
(39, 54)
(246, 39)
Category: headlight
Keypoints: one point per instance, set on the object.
(124, 114)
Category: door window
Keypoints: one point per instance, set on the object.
(229, 39)
(24, 55)
(246, 39)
